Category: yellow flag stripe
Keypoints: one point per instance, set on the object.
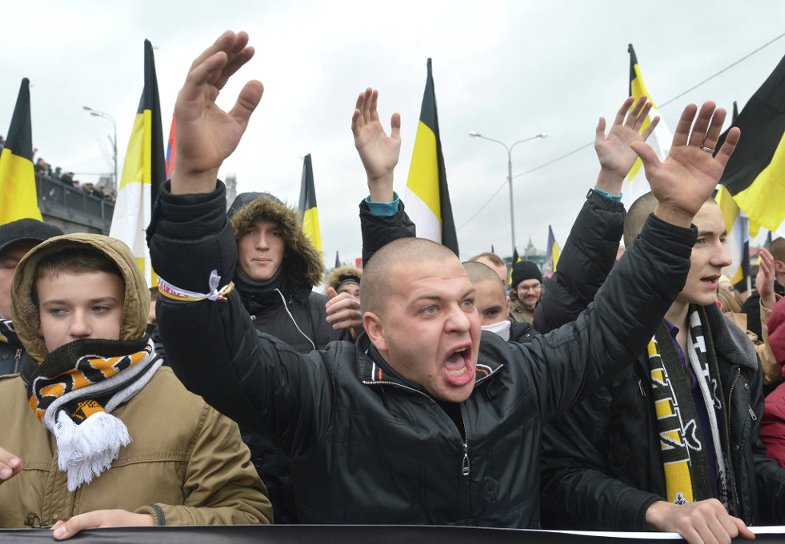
(756, 200)
(311, 227)
(18, 198)
(424, 169)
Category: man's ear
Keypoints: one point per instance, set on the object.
(374, 328)
(507, 306)
(779, 267)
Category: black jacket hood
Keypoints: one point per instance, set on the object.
(302, 263)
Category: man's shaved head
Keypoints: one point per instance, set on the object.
(393, 259)
(478, 272)
(636, 217)
(494, 262)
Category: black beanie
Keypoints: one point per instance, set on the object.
(525, 270)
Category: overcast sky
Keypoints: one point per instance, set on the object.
(506, 69)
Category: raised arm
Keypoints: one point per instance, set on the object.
(590, 250)
(382, 216)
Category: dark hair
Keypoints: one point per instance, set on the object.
(76, 260)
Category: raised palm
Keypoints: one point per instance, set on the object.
(690, 172)
(613, 150)
(206, 135)
(378, 152)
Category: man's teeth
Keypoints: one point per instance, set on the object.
(460, 372)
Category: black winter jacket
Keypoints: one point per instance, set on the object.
(368, 447)
(601, 461)
(12, 353)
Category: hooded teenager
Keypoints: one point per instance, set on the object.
(277, 269)
(94, 406)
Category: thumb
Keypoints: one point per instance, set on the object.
(647, 154)
(395, 124)
(331, 293)
(744, 531)
(249, 98)
(599, 134)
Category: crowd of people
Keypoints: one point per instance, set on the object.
(43, 168)
(418, 390)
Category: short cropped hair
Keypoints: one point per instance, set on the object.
(639, 212)
(495, 259)
(636, 217)
(478, 272)
(376, 275)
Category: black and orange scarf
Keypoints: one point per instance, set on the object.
(74, 391)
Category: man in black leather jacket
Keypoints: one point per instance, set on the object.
(420, 421)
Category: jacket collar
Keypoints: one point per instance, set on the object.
(730, 342)
(374, 370)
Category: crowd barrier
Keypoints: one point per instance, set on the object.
(353, 534)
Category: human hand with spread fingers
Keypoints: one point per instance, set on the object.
(690, 172)
(207, 135)
(378, 152)
(613, 150)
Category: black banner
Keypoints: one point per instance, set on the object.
(348, 534)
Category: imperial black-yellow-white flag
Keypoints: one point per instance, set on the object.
(307, 207)
(143, 172)
(755, 173)
(18, 199)
(426, 196)
(636, 184)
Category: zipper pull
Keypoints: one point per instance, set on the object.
(752, 413)
(640, 386)
(465, 463)
(17, 358)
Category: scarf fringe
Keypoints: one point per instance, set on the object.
(86, 450)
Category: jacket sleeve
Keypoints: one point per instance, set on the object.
(213, 347)
(220, 485)
(378, 230)
(586, 260)
(576, 491)
(567, 363)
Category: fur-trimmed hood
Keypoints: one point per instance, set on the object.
(136, 304)
(302, 262)
(340, 274)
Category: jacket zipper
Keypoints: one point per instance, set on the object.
(465, 464)
(727, 431)
(17, 358)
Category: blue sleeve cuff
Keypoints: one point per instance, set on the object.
(383, 209)
(607, 195)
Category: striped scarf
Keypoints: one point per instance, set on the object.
(682, 448)
(73, 393)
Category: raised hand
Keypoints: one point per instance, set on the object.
(207, 135)
(764, 281)
(690, 172)
(10, 465)
(378, 151)
(613, 151)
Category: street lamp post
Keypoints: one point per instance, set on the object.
(112, 139)
(509, 172)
